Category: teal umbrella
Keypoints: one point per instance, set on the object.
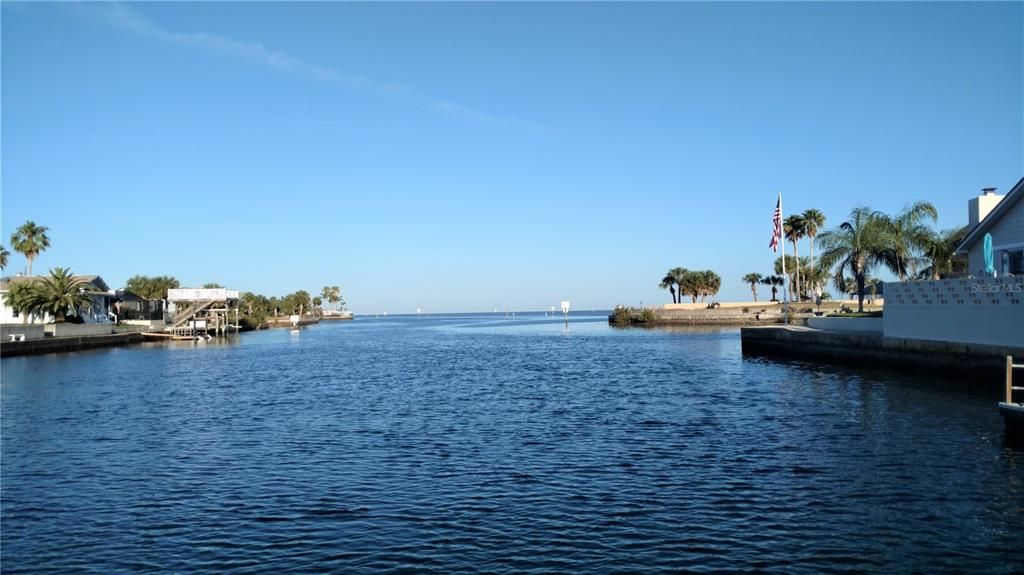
(990, 268)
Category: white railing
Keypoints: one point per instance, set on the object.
(201, 294)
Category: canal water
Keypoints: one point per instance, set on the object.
(480, 444)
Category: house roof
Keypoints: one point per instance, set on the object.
(1004, 206)
(94, 280)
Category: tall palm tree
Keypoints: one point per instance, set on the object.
(794, 228)
(813, 221)
(859, 244)
(753, 279)
(4, 254)
(909, 237)
(30, 240)
(938, 252)
(325, 294)
(669, 282)
(335, 297)
(61, 294)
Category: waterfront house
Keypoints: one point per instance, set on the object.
(97, 312)
(1003, 218)
(131, 307)
(977, 309)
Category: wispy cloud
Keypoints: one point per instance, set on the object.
(127, 18)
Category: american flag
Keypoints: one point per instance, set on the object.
(776, 226)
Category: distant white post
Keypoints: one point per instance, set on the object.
(565, 310)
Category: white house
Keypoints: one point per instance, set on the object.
(95, 313)
(978, 309)
(1003, 218)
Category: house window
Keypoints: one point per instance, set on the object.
(1012, 262)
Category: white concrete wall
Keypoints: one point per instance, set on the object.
(847, 324)
(78, 329)
(30, 331)
(984, 311)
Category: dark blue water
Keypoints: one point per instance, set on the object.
(478, 444)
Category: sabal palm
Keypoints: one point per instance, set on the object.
(909, 236)
(794, 228)
(859, 244)
(712, 282)
(60, 294)
(669, 282)
(679, 276)
(753, 279)
(30, 240)
(4, 254)
(814, 220)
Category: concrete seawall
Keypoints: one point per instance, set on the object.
(61, 344)
(875, 350)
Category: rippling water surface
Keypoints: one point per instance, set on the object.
(468, 444)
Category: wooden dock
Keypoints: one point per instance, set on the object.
(1013, 412)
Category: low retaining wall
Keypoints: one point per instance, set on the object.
(79, 329)
(847, 324)
(875, 350)
(59, 344)
(29, 330)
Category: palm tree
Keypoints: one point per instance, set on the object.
(753, 280)
(939, 250)
(317, 303)
(909, 237)
(325, 294)
(22, 297)
(151, 287)
(668, 282)
(679, 276)
(3, 257)
(774, 282)
(813, 221)
(692, 284)
(335, 297)
(30, 240)
(60, 294)
(859, 244)
(794, 227)
(711, 283)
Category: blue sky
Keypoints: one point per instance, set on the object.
(465, 157)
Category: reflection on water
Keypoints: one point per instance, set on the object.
(472, 443)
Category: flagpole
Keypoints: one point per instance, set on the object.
(785, 284)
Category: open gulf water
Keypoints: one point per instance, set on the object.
(460, 444)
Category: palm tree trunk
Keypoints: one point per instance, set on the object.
(860, 291)
(753, 290)
(813, 270)
(796, 264)
(28, 265)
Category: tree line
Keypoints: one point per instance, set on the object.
(905, 244)
(693, 283)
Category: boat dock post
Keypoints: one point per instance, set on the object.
(1013, 413)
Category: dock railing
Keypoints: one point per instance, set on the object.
(1010, 388)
